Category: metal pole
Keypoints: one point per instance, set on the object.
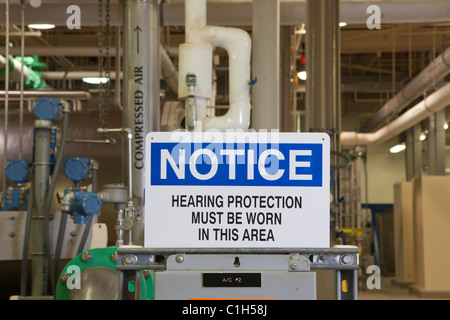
(22, 48)
(141, 94)
(40, 180)
(5, 131)
(266, 64)
(323, 68)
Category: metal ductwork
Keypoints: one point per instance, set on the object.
(431, 104)
(427, 78)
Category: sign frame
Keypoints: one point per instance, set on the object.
(179, 213)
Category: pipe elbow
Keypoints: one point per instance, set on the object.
(237, 117)
(236, 42)
(66, 202)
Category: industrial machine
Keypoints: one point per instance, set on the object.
(210, 210)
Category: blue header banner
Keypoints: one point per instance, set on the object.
(236, 164)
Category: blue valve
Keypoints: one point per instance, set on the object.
(81, 205)
(76, 169)
(48, 109)
(17, 170)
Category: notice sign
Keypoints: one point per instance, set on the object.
(237, 190)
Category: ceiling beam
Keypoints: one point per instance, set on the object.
(234, 12)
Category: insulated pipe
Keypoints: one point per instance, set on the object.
(237, 43)
(431, 104)
(40, 180)
(15, 70)
(196, 58)
(141, 85)
(49, 196)
(427, 78)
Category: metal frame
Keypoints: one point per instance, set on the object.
(133, 260)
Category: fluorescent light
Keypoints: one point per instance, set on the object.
(41, 26)
(422, 136)
(35, 3)
(342, 24)
(95, 80)
(302, 75)
(398, 148)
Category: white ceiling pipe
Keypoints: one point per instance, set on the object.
(237, 43)
(196, 57)
(426, 79)
(431, 104)
(16, 72)
(74, 75)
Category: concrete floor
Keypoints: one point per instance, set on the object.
(390, 291)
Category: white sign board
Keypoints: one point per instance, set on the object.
(237, 190)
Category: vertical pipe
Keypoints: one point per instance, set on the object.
(417, 168)
(196, 58)
(22, 53)
(413, 154)
(141, 94)
(26, 243)
(323, 68)
(409, 154)
(315, 66)
(338, 285)
(40, 180)
(287, 56)
(266, 64)
(5, 131)
(436, 144)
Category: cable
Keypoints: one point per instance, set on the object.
(342, 155)
(5, 135)
(87, 227)
(26, 242)
(50, 193)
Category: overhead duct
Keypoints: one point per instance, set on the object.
(196, 58)
(427, 78)
(429, 105)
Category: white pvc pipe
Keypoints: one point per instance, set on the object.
(16, 72)
(237, 43)
(196, 57)
(429, 105)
